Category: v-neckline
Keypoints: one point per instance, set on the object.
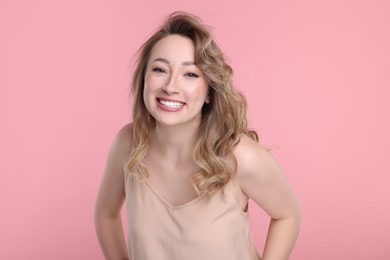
(169, 205)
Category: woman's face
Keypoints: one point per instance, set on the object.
(175, 88)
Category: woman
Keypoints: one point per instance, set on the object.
(187, 164)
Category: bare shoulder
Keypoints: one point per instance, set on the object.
(254, 162)
(250, 153)
(112, 192)
(121, 144)
(261, 179)
(124, 135)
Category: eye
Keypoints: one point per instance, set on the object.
(191, 75)
(159, 70)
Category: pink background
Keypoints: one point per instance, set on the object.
(316, 74)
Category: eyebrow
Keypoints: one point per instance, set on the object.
(185, 63)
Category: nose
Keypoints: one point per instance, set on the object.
(170, 87)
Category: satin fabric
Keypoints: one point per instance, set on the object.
(207, 228)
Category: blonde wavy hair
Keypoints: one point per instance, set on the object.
(223, 119)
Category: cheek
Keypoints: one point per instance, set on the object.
(202, 91)
(146, 82)
(152, 82)
(149, 86)
(147, 98)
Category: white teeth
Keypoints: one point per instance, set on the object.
(171, 104)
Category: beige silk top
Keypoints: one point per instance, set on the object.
(206, 228)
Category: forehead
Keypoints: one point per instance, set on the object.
(174, 48)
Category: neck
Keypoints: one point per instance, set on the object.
(173, 142)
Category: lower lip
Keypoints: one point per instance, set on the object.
(169, 109)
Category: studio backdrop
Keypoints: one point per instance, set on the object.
(317, 79)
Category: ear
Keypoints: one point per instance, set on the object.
(207, 100)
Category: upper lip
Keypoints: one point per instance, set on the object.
(171, 100)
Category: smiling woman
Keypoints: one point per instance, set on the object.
(188, 164)
(174, 83)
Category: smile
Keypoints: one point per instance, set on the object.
(171, 104)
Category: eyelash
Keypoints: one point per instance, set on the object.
(160, 70)
(190, 74)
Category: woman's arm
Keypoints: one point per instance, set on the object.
(262, 180)
(108, 222)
